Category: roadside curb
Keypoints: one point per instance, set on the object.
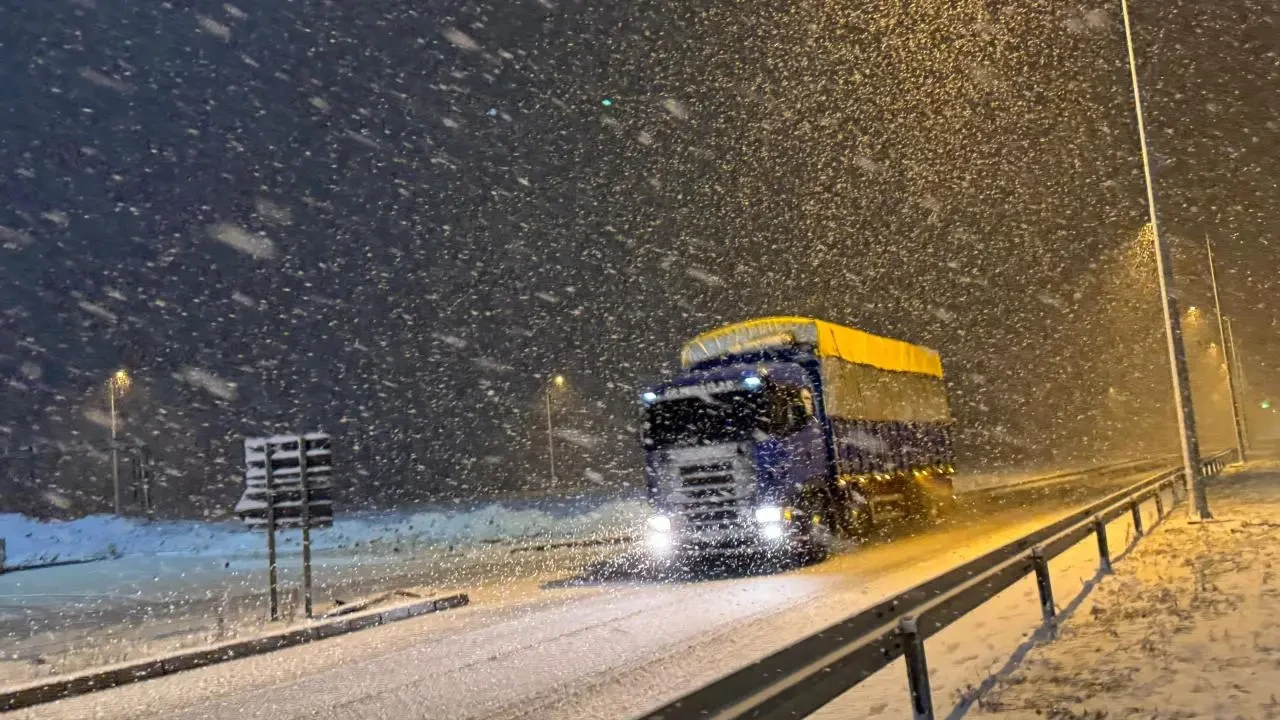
(6, 569)
(82, 683)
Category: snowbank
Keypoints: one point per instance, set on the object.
(32, 541)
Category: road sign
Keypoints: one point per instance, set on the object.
(294, 459)
(288, 481)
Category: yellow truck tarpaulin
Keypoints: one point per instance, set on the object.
(827, 340)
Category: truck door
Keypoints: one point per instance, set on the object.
(815, 442)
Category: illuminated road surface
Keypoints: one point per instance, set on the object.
(561, 650)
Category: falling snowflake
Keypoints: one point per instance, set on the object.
(460, 39)
(214, 28)
(209, 382)
(253, 244)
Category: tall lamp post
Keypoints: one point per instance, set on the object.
(117, 384)
(556, 382)
(1198, 502)
(1236, 367)
(1228, 352)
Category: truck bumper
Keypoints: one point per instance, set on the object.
(779, 541)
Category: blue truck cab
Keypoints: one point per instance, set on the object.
(781, 433)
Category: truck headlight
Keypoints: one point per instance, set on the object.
(659, 543)
(659, 524)
(768, 514)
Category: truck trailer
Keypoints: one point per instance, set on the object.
(782, 433)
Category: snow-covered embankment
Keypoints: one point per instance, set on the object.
(32, 542)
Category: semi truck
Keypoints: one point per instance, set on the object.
(781, 434)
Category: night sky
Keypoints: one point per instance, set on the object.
(396, 220)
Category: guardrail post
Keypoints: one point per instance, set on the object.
(1136, 510)
(1045, 586)
(1104, 554)
(1159, 503)
(917, 669)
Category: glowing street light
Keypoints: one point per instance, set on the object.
(556, 382)
(118, 384)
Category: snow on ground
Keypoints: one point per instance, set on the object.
(1184, 628)
(599, 648)
(560, 651)
(31, 541)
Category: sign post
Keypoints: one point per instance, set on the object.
(287, 485)
(305, 487)
(273, 581)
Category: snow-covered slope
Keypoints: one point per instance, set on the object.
(31, 541)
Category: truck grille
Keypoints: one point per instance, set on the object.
(712, 493)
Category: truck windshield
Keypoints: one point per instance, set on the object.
(724, 417)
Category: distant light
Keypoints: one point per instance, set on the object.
(558, 380)
(752, 382)
(119, 381)
(607, 102)
(772, 531)
(1266, 404)
(649, 397)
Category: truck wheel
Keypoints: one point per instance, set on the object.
(815, 547)
(849, 518)
(862, 522)
(934, 508)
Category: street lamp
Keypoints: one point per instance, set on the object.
(117, 384)
(1198, 502)
(1228, 352)
(556, 382)
(1240, 388)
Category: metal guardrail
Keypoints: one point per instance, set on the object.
(1094, 471)
(801, 678)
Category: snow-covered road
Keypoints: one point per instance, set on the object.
(537, 646)
(184, 584)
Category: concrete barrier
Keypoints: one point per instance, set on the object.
(88, 681)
